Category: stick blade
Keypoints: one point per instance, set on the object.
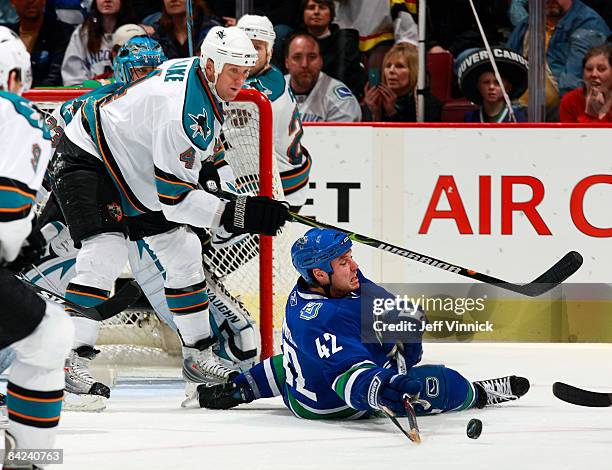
(559, 272)
(580, 397)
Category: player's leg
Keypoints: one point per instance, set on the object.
(444, 389)
(264, 380)
(179, 252)
(91, 206)
(41, 334)
(231, 324)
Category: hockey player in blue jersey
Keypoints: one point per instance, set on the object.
(40, 332)
(292, 159)
(327, 371)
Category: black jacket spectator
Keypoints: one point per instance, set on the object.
(48, 51)
(342, 59)
(406, 110)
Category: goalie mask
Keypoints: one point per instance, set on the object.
(259, 28)
(14, 56)
(226, 46)
(316, 249)
(136, 58)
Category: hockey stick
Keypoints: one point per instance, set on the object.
(122, 299)
(189, 12)
(581, 397)
(413, 434)
(559, 272)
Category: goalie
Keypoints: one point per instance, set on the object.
(327, 372)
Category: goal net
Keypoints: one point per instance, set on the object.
(257, 270)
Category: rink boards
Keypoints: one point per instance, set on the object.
(506, 201)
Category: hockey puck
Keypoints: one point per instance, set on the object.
(474, 428)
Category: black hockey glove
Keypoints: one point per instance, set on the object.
(254, 214)
(224, 396)
(392, 389)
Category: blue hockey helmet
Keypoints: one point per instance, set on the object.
(316, 249)
(139, 51)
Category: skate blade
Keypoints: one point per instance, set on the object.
(84, 403)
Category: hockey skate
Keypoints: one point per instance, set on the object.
(83, 393)
(503, 389)
(200, 365)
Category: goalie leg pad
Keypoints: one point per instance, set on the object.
(150, 276)
(232, 325)
(443, 389)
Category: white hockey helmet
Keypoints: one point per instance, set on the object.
(227, 46)
(258, 27)
(14, 56)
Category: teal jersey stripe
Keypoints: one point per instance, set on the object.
(169, 188)
(13, 198)
(34, 408)
(187, 300)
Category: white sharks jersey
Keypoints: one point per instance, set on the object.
(152, 136)
(329, 101)
(293, 162)
(26, 149)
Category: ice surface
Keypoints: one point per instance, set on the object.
(145, 428)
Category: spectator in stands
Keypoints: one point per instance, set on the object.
(380, 23)
(393, 100)
(339, 47)
(171, 29)
(284, 15)
(319, 96)
(89, 51)
(46, 39)
(121, 35)
(571, 29)
(591, 102)
(451, 25)
(478, 84)
(519, 10)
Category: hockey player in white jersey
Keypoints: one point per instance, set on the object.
(137, 155)
(40, 332)
(319, 96)
(292, 158)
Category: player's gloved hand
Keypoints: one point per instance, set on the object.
(224, 396)
(254, 214)
(392, 390)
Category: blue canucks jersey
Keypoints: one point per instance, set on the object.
(329, 369)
